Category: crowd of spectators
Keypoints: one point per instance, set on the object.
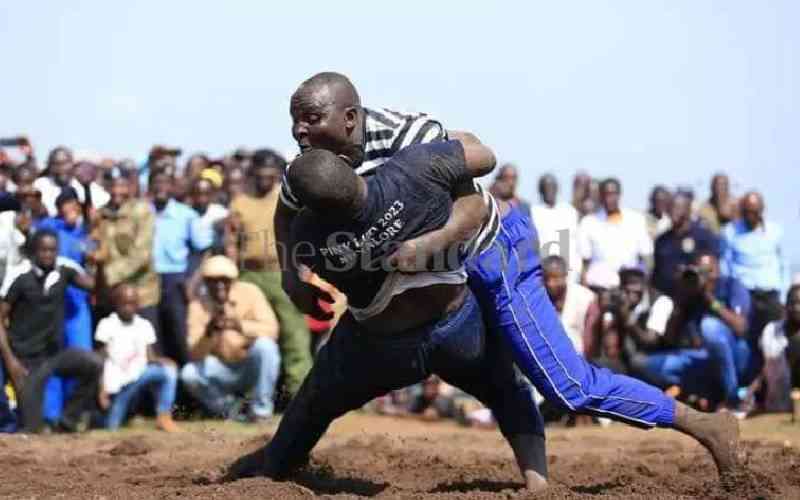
(141, 287)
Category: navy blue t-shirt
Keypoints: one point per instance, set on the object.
(406, 199)
(672, 251)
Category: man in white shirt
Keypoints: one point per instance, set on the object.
(572, 300)
(60, 173)
(557, 225)
(612, 238)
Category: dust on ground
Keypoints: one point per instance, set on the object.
(387, 458)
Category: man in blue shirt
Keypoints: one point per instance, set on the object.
(711, 311)
(177, 233)
(678, 246)
(753, 254)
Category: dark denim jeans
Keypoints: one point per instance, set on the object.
(355, 367)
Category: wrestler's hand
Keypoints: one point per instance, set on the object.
(306, 296)
(423, 254)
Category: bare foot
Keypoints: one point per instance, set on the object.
(717, 432)
(166, 424)
(534, 481)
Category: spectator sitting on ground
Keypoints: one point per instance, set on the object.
(678, 246)
(32, 310)
(624, 312)
(557, 226)
(780, 346)
(721, 207)
(714, 309)
(658, 219)
(612, 238)
(572, 301)
(754, 255)
(505, 188)
(232, 338)
(131, 365)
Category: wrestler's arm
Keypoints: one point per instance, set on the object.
(468, 213)
(294, 280)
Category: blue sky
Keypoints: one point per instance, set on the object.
(649, 91)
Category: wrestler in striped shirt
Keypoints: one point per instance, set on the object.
(327, 114)
(384, 132)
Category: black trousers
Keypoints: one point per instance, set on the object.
(172, 309)
(765, 307)
(85, 367)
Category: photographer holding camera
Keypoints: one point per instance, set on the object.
(709, 311)
(622, 326)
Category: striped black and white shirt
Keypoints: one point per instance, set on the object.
(387, 132)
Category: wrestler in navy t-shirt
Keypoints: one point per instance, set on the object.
(406, 199)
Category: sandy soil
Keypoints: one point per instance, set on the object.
(381, 457)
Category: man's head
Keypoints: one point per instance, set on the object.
(681, 212)
(610, 192)
(660, 199)
(701, 276)
(326, 184)
(161, 186)
(632, 284)
(234, 182)
(118, 182)
(752, 209)
(266, 171)
(793, 304)
(326, 114)
(126, 301)
(69, 207)
(720, 186)
(219, 273)
(555, 277)
(202, 193)
(24, 175)
(60, 165)
(548, 189)
(505, 184)
(45, 249)
(195, 165)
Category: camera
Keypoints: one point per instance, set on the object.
(693, 277)
(614, 300)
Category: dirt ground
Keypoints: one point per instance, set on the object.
(382, 457)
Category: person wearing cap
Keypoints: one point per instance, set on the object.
(232, 333)
(124, 230)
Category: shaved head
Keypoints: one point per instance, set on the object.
(326, 184)
(752, 209)
(326, 114)
(335, 84)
